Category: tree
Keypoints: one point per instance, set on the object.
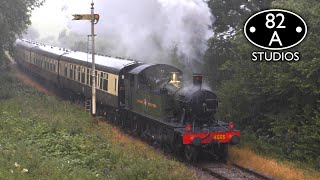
(230, 16)
(14, 19)
(278, 102)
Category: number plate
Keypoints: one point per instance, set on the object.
(219, 137)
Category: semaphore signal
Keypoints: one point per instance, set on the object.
(94, 18)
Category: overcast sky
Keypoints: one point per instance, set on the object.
(55, 15)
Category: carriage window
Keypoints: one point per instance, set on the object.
(79, 71)
(83, 75)
(101, 80)
(54, 67)
(115, 85)
(88, 76)
(66, 70)
(74, 72)
(71, 71)
(96, 78)
(105, 82)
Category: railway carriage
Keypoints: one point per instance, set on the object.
(71, 70)
(151, 100)
(76, 75)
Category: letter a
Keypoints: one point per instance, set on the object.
(275, 38)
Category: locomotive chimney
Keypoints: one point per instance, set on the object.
(197, 80)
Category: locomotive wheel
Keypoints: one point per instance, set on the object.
(122, 123)
(177, 146)
(191, 152)
(166, 146)
(135, 127)
(120, 118)
(223, 152)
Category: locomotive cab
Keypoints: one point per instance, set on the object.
(146, 93)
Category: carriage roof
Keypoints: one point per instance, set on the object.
(113, 64)
(102, 62)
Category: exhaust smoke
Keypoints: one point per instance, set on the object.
(158, 31)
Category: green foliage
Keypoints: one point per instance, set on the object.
(232, 13)
(275, 104)
(54, 139)
(14, 19)
(6, 86)
(230, 16)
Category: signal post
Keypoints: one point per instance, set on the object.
(94, 18)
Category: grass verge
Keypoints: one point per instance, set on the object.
(277, 169)
(43, 137)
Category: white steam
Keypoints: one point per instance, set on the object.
(147, 30)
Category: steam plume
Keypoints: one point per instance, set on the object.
(147, 30)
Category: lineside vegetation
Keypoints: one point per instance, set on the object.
(44, 137)
(276, 105)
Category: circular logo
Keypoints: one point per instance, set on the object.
(275, 29)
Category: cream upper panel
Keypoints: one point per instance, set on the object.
(113, 84)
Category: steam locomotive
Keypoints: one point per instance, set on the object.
(150, 100)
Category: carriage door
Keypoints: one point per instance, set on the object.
(122, 91)
(132, 83)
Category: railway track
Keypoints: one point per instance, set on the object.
(230, 172)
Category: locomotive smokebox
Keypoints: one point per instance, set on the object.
(197, 80)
